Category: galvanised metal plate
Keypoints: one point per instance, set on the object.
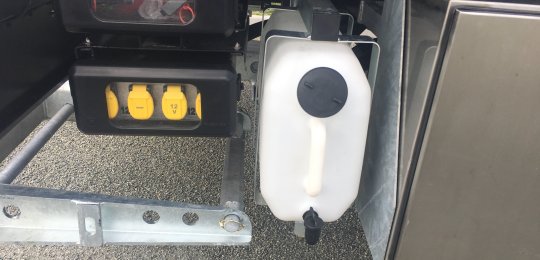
(35, 215)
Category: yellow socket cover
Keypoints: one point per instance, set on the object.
(174, 103)
(140, 102)
(112, 102)
(198, 108)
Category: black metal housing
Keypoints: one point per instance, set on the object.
(214, 77)
(321, 18)
(213, 17)
(36, 54)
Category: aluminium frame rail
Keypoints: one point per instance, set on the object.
(37, 215)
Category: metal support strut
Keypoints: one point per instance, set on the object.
(17, 164)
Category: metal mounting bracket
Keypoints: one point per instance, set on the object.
(36, 215)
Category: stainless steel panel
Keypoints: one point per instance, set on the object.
(376, 200)
(475, 189)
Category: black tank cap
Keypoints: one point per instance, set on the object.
(322, 92)
(313, 226)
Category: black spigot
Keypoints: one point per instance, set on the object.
(313, 226)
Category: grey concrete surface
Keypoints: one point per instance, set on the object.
(170, 168)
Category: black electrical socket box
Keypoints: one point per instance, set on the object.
(150, 16)
(192, 99)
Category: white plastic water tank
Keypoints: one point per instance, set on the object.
(312, 134)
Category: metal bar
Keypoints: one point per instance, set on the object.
(17, 164)
(233, 175)
(232, 188)
(57, 100)
(36, 215)
(299, 229)
(350, 23)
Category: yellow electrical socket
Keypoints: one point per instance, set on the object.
(198, 108)
(112, 103)
(174, 103)
(140, 102)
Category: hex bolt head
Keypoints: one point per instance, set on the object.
(231, 223)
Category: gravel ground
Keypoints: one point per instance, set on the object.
(177, 169)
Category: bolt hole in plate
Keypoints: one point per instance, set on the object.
(150, 217)
(12, 211)
(190, 218)
(90, 225)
